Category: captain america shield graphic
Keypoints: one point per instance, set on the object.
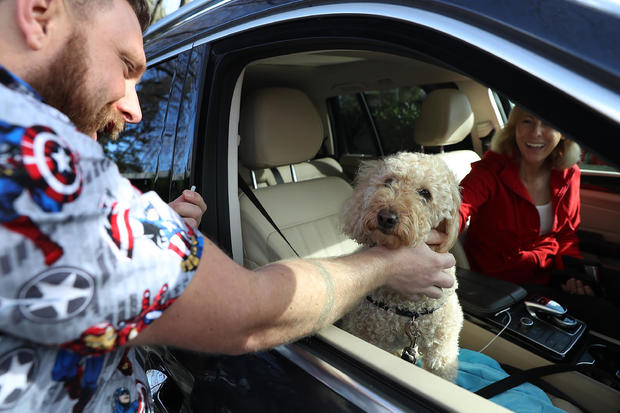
(56, 294)
(18, 368)
(51, 164)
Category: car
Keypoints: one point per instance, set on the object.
(221, 97)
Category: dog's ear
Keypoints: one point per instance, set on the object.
(452, 224)
(366, 170)
(352, 222)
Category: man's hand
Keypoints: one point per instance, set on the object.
(190, 206)
(420, 270)
(575, 286)
(435, 237)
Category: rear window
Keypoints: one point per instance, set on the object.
(377, 122)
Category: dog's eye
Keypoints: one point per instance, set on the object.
(425, 194)
(388, 182)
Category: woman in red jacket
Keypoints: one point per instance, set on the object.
(522, 200)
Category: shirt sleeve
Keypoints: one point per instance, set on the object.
(86, 260)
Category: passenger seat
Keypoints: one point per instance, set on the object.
(446, 118)
(280, 127)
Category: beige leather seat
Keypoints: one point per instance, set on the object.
(446, 118)
(280, 127)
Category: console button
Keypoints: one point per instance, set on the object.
(525, 323)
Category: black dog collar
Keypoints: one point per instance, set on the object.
(400, 311)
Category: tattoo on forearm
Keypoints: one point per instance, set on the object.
(329, 292)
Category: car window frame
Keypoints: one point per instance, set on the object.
(230, 55)
(214, 149)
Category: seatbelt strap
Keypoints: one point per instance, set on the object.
(524, 376)
(277, 175)
(250, 194)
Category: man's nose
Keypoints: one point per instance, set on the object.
(129, 105)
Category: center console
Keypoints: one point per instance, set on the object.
(553, 335)
(536, 323)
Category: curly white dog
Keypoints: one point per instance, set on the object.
(396, 202)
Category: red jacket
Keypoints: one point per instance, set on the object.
(503, 239)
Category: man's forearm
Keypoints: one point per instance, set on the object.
(325, 290)
(234, 310)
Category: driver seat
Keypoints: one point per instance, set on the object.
(281, 127)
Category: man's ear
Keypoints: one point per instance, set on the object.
(34, 18)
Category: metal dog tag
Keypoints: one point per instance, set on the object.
(410, 353)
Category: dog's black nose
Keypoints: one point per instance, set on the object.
(387, 219)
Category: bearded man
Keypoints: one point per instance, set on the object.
(81, 278)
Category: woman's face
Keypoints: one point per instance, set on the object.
(535, 140)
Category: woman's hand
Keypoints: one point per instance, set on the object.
(575, 286)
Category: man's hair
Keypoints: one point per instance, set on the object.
(140, 7)
(565, 155)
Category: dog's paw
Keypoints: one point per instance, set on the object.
(446, 370)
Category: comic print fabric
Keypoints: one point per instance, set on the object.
(86, 263)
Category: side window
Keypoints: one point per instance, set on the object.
(596, 174)
(378, 122)
(394, 112)
(143, 150)
(354, 132)
(592, 163)
(185, 128)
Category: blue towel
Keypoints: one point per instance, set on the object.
(477, 371)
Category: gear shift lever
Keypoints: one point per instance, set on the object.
(535, 304)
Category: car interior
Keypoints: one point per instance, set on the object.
(296, 154)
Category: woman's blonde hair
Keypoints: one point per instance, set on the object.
(565, 155)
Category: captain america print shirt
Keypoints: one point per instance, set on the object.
(86, 263)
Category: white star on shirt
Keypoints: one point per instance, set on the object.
(63, 161)
(64, 292)
(16, 378)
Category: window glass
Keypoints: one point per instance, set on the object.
(596, 174)
(391, 113)
(144, 152)
(353, 128)
(589, 161)
(138, 147)
(162, 183)
(394, 112)
(592, 162)
(185, 128)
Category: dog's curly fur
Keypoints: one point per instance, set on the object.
(396, 202)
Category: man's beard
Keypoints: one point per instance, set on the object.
(63, 86)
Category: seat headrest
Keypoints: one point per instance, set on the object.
(445, 118)
(278, 126)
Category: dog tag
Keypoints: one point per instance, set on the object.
(410, 353)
